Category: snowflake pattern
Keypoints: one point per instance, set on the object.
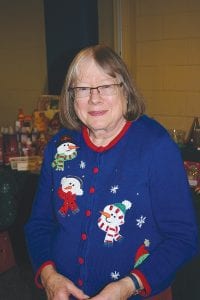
(141, 221)
(82, 165)
(114, 189)
(146, 242)
(115, 275)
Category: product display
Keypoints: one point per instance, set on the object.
(22, 145)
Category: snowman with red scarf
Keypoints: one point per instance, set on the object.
(69, 189)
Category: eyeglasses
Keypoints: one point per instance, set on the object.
(103, 90)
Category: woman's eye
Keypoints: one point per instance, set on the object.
(83, 88)
(105, 86)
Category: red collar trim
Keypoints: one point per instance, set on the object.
(111, 144)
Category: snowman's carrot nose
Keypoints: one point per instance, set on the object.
(69, 187)
(71, 147)
(105, 214)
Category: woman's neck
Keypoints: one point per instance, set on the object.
(104, 137)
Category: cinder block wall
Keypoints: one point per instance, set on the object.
(168, 59)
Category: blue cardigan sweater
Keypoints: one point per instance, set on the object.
(102, 212)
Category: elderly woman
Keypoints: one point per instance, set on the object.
(112, 216)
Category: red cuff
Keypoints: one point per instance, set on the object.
(147, 288)
(37, 275)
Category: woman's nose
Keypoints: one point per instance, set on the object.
(94, 95)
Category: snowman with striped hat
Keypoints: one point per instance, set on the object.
(112, 217)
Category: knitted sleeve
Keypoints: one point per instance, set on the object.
(41, 225)
(173, 213)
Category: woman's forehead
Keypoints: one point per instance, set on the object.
(88, 69)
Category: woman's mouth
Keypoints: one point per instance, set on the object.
(97, 113)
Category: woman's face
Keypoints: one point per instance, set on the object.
(100, 113)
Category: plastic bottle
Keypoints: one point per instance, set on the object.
(10, 144)
(20, 116)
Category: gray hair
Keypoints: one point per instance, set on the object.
(115, 67)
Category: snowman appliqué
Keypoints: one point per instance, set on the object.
(112, 217)
(66, 150)
(70, 188)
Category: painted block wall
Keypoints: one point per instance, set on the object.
(165, 59)
(23, 73)
(168, 59)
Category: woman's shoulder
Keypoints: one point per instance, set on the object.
(64, 134)
(150, 123)
(152, 133)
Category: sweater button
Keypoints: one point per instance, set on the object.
(84, 236)
(81, 260)
(95, 170)
(92, 190)
(88, 213)
(80, 282)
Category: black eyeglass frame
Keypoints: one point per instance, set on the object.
(72, 89)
